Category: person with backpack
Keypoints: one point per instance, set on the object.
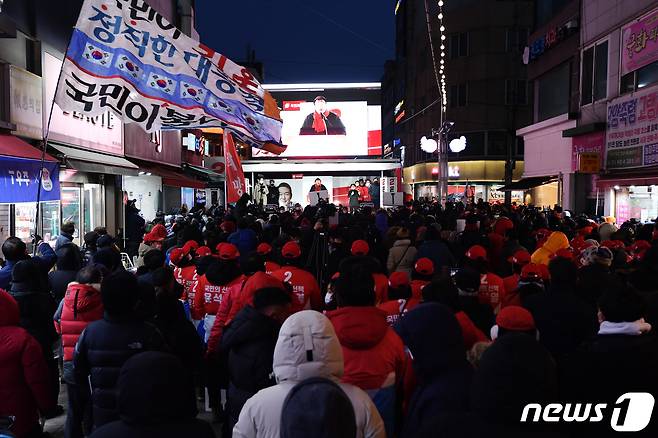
(153, 404)
(402, 255)
(81, 305)
(308, 366)
(105, 345)
(25, 386)
(305, 288)
(249, 342)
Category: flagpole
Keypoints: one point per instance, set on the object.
(45, 146)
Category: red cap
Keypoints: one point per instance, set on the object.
(476, 252)
(258, 281)
(190, 245)
(291, 250)
(227, 251)
(398, 279)
(360, 248)
(532, 271)
(502, 225)
(521, 257)
(515, 318)
(203, 251)
(424, 266)
(565, 253)
(157, 234)
(264, 248)
(227, 226)
(176, 255)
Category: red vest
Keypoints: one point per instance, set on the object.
(82, 305)
(305, 290)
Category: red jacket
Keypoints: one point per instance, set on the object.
(395, 309)
(470, 332)
(25, 388)
(373, 353)
(208, 296)
(492, 289)
(229, 307)
(381, 287)
(271, 267)
(305, 290)
(186, 277)
(82, 305)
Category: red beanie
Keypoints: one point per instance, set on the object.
(424, 266)
(258, 281)
(176, 255)
(264, 248)
(291, 250)
(515, 318)
(203, 251)
(227, 251)
(190, 245)
(476, 252)
(360, 248)
(521, 257)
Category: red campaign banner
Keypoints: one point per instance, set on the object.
(235, 186)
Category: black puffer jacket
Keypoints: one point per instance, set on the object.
(36, 311)
(102, 349)
(249, 340)
(155, 400)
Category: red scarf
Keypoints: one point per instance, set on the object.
(319, 125)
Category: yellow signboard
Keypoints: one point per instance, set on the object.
(589, 162)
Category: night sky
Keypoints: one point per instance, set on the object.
(303, 41)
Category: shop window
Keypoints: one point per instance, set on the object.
(516, 40)
(553, 93)
(458, 45)
(516, 92)
(640, 78)
(594, 77)
(497, 144)
(458, 95)
(50, 221)
(71, 200)
(5, 224)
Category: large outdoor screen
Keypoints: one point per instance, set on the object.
(325, 128)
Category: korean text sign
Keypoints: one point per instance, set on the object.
(639, 43)
(19, 180)
(632, 132)
(125, 57)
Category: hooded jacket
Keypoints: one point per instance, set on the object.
(555, 242)
(36, 312)
(374, 356)
(401, 257)
(307, 347)
(439, 363)
(82, 305)
(25, 388)
(249, 340)
(152, 403)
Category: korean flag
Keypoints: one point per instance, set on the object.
(161, 83)
(219, 105)
(188, 91)
(97, 55)
(129, 67)
(252, 123)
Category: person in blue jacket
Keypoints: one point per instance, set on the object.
(244, 238)
(15, 250)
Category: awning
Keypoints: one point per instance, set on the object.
(172, 177)
(529, 183)
(202, 172)
(646, 176)
(94, 162)
(12, 146)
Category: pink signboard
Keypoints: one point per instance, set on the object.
(102, 133)
(639, 43)
(587, 143)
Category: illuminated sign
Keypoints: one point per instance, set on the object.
(399, 117)
(552, 37)
(397, 6)
(398, 107)
(453, 171)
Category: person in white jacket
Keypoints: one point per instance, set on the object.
(306, 330)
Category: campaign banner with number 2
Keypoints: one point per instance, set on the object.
(125, 57)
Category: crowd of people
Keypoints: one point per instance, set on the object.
(419, 321)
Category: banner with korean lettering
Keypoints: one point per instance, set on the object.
(631, 138)
(639, 43)
(125, 57)
(235, 184)
(19, 180)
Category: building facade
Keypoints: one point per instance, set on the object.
(488, 94)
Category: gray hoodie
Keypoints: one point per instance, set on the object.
(261, 415)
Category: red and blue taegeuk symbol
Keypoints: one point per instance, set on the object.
(130, 66)
(97, 54)
(192, 92)
(161, 83)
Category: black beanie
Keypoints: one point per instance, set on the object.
(154, 259)
(119, 292)
(24, 276)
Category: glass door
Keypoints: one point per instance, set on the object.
(93, 207)
(71, 208)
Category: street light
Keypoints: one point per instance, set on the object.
(442, 158)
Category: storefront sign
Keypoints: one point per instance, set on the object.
(553, 37)
(390, 184)
(632, 133)
(101, 133)
(588, 143)
(589, 162)
(639, 43)
(19, 180)
(25, 102)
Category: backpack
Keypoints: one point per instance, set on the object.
(317, 408)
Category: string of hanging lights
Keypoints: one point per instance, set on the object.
(442, 69)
